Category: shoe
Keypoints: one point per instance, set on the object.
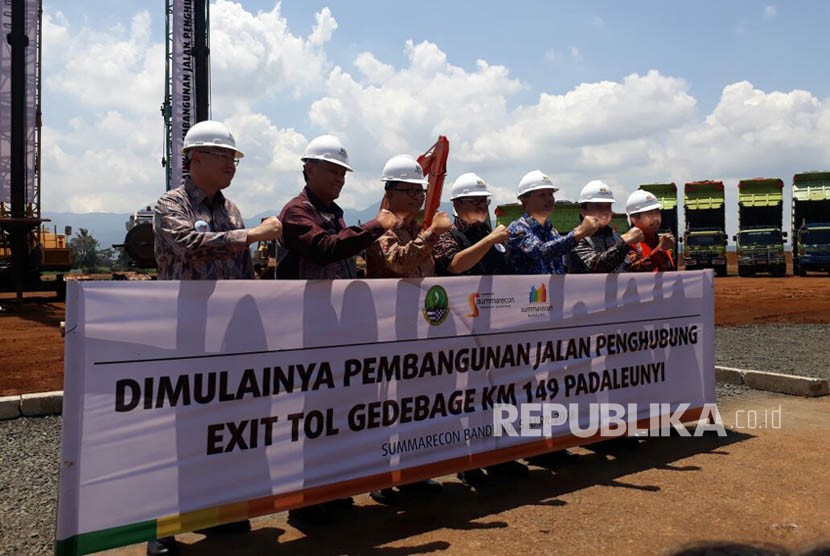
(340, 503)
(385, 496)
(473, 478)
(509, 469)
(615, 445)
(554, 459)
(227, 528)
(318, 514)
(165, 546)
(422, 487)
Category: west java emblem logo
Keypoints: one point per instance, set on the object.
(436, 306)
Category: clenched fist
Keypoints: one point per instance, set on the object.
(268, 229)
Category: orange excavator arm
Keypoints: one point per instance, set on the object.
(434, 164)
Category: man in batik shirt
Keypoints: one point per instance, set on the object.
(200, 235)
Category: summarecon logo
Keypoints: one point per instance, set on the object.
(608, 419)
(487, 300)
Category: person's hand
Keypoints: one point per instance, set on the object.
(268, 229)
(499, 234)
(666, 241)
(634, 235)
(587, 228)
(387, 219)
(440, 223)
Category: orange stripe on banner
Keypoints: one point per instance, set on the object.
(266, 505)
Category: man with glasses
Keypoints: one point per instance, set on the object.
(405, 251)
(200, 235)
(470, 247)
(317, 243)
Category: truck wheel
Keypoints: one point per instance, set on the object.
(720, 271)
(779, 272)
(742, 272)
(801, 271)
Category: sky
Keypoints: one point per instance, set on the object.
(628, 92)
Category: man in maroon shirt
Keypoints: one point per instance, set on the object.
(317, 243)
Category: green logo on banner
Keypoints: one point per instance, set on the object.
(436, 306)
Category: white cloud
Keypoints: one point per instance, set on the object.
(108, 157)
(642, 128)
(553, 56)
(256, 56)
(769, 11)
(96, 68)
(598, 22)
(556, 57)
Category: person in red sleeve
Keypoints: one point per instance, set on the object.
(653, 254)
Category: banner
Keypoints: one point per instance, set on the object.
(32, 30)
(183, 75)
(208, 402)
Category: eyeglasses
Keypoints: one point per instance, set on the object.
(477, 201)
(225, 158)
(413, 193)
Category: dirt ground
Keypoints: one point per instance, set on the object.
(31, 348)
(759, 487)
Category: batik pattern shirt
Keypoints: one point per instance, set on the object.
(404, 252)
(199, 240)
(603, 252)
(535, 248)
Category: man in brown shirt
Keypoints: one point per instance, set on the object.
(405, 251)
(317, 243)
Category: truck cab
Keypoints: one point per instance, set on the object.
(705, 248)
(761, 249)
(812, 248)
(705, 237)
(811, 222)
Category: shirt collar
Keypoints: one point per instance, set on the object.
(198, 196)
(530, 221)
(464, 227)
(333, 208)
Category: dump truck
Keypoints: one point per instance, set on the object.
(705, 236)
(666, 193)
(811, 222)
(760, 241)
(565, 216)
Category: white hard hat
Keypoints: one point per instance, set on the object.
(534, 180)
(596, 191)
(403, 167)
(209, 133)
(641, 201)
(469, 185)
(328, 148)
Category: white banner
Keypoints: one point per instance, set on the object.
(32, 70)
(183, 97)
(206, 402)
